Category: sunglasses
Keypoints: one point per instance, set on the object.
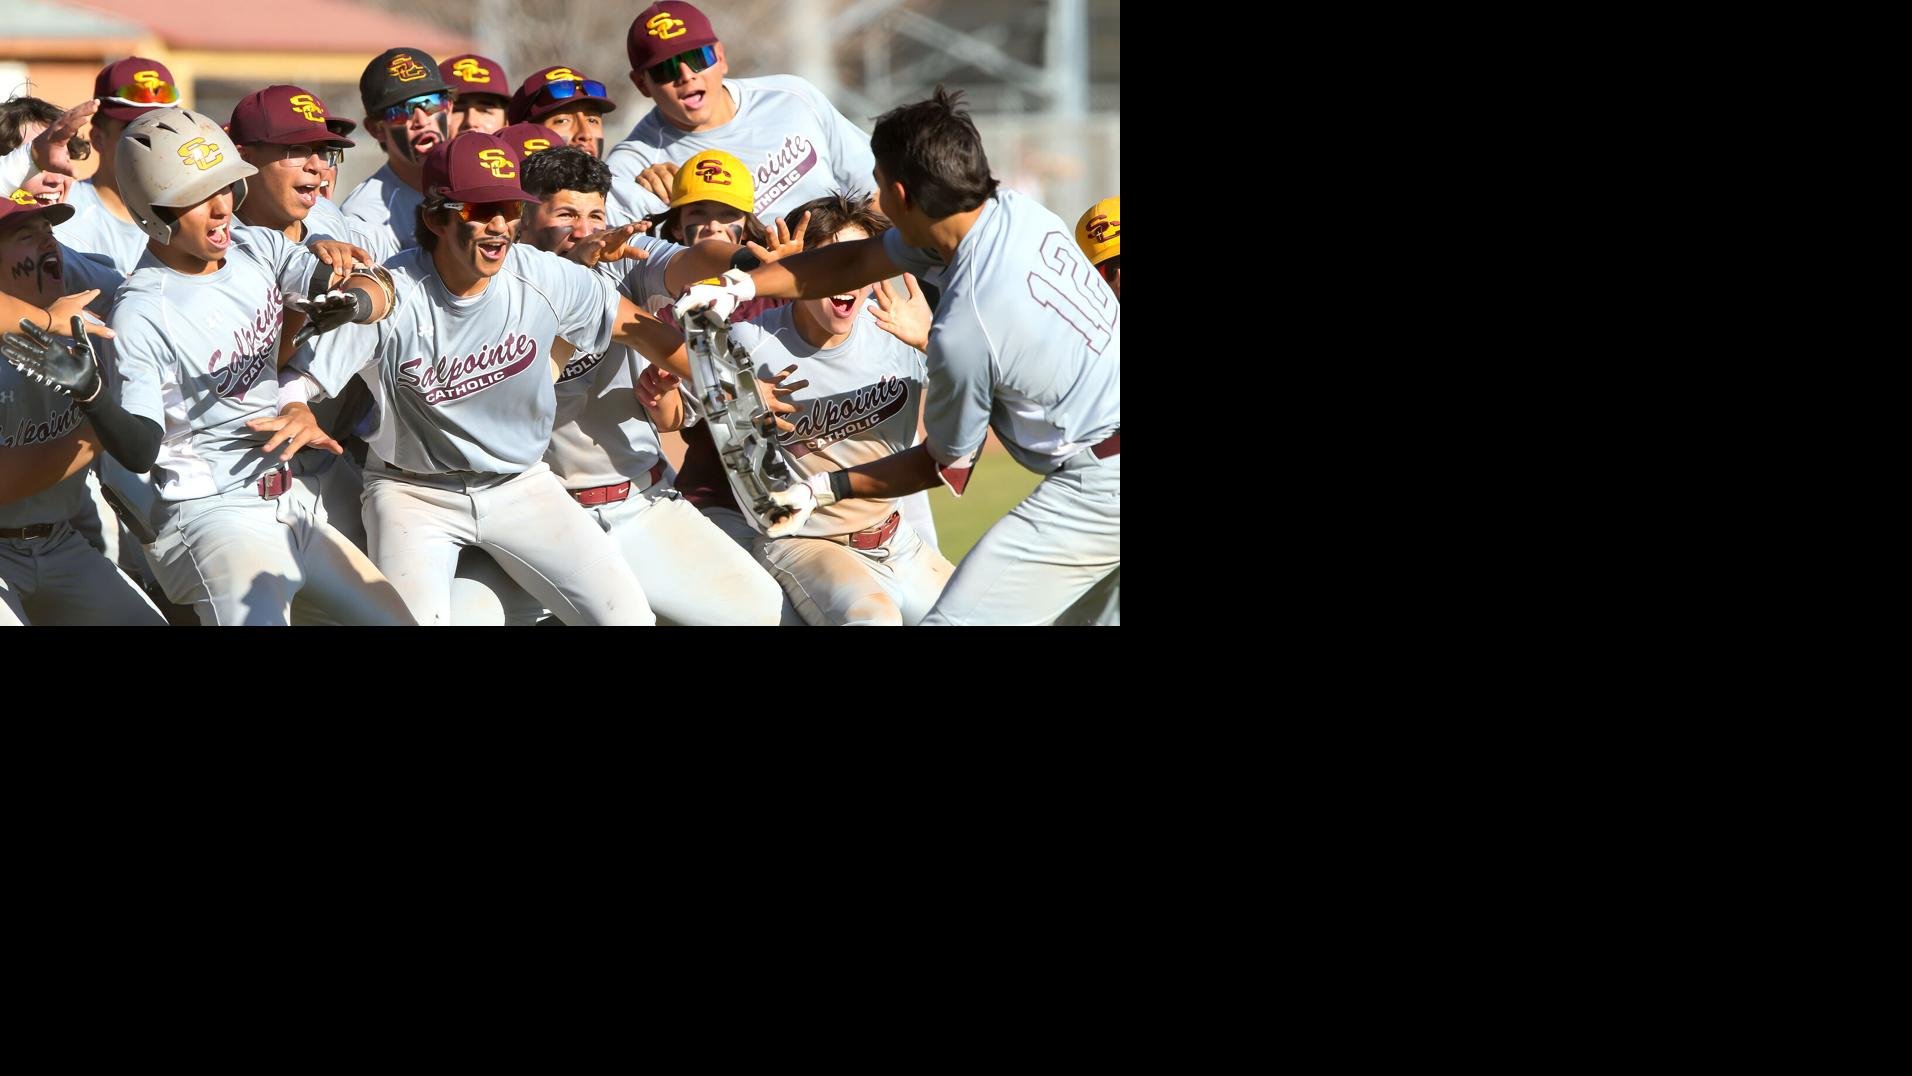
(696, 59)
(482, 212)
(564, 91)
(136, 93)
(430, 102)
(331, 155)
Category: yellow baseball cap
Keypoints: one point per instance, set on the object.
(1099, 232)
(714, 176)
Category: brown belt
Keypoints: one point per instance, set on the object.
(596, 495)
(1110, 446)
(37, 530)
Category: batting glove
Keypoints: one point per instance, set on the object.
(720, 295)
(800, 500)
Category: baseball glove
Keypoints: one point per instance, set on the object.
(67, 365)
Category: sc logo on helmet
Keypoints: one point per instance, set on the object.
(201, 154)
(500, 163)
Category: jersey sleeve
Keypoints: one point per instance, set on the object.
(585, 301)
(642, 281)
(147, 366)
(957, 401)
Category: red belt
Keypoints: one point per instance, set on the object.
(878, 536)
(275, 483)
(37, 530)
(1110, 446)
(591, 498)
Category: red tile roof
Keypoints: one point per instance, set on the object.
(298, 26)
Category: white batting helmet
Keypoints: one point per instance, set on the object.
(177, 159)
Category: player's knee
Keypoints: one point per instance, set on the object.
(873, 611)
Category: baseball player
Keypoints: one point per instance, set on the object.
(282, 132)
(794, 142)
(1099, 234)
(604, 446)
(569, 103)
(479, 89)
(41, 166)
(101, 223)
(711, 197)
(1026, 341)
(49, 573)
(854, 562)
(407, 109)
(465, 392)
(237, 538)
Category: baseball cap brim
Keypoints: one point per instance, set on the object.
(56, 214)
(498, 193)
(127, 113)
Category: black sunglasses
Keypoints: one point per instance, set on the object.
(696, 59)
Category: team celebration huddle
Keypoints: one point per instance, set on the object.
(231, 390)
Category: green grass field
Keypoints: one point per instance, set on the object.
(998, 485)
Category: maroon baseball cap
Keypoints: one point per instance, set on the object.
(130, 88)
(283, 115)
(556, 89)
(472, 73)
(524, 139)
(475, 167)
(20, 206)
(665, 29)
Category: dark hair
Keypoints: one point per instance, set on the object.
(566, 168)
(934, 151)
(834, 212)
(20, 111)
(425, 236)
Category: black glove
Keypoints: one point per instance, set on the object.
(67, 365)
(333, 309)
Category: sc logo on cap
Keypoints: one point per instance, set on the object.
(499, 162)
(469, 70)
(666, 26)
(201, 154)
(148, 79)
(713, 173)
(533, 145)
(307, 107)
(1102, 229)
(24, 198)
(562, 74)
(406, 69)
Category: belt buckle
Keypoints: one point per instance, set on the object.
(274, 483)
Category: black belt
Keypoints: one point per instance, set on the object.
(37, 530)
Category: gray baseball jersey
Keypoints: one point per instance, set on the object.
(93, 228)
(796, 144)
(1027, 339)
(860, 405)
(464, 384)
(326, 221)
(199, 354)
(602, 435)
(389, 207)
